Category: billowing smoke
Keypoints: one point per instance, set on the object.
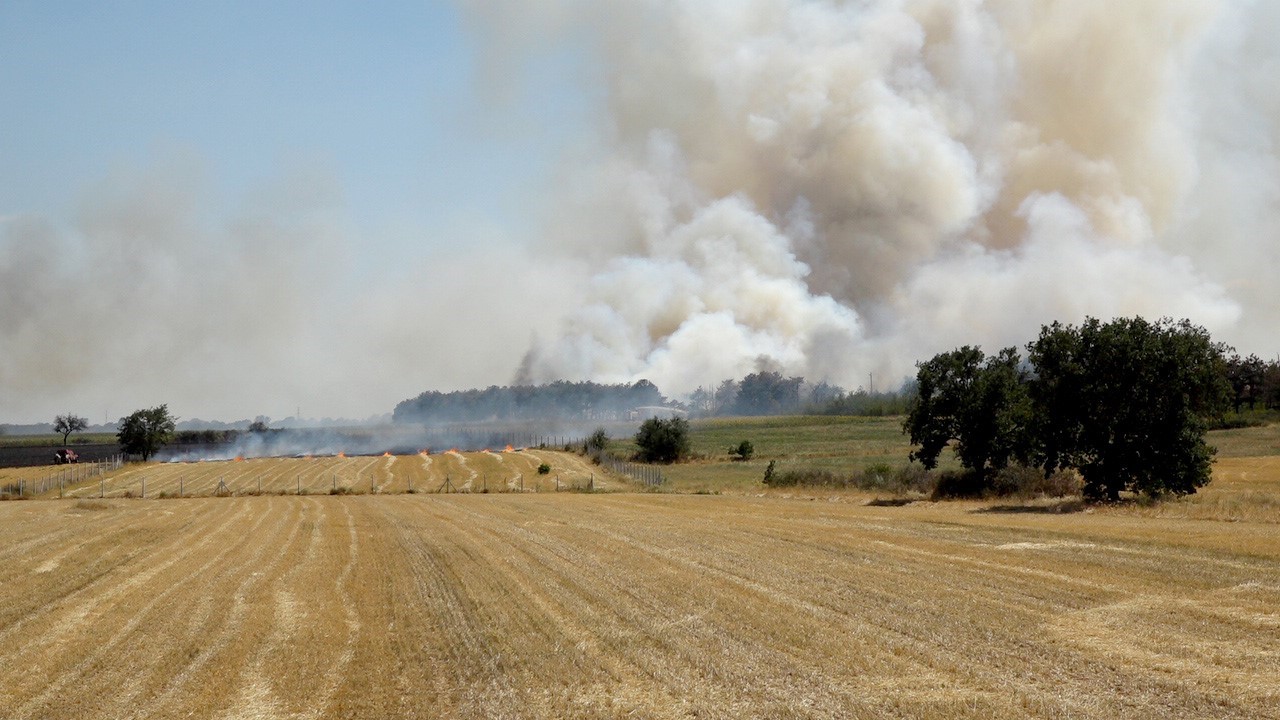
(838, 188)
(819, 187)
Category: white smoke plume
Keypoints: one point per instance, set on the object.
(837, 188)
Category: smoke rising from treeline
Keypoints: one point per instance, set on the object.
(833, 189)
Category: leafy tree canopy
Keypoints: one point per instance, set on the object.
(146, 431)
(663, 441)
(69, 423)
(980, 404)
(1125, 403)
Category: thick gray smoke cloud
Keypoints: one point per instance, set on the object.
(838, 188)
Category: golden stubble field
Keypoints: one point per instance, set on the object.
(452, 471)
(544, 605)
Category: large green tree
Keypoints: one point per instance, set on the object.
(146, 431)
(1125, 403)
(978, 405)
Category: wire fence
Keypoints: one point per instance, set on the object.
(646, 474)
(64, 477)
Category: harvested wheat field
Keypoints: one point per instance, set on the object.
(629, 605)
(452, 471)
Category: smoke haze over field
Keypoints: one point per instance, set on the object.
(846, 187)
(827, 189)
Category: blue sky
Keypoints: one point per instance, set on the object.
(426, 163)
(383, 98)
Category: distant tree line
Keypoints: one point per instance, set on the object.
(558, 400)
(1124, 403)
(772, 393)
(761, 393)
(1254, 382)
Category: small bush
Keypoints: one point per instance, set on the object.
(957, 484)
(662, 441)
(543, 469)
(743, 451)
(880, 476)
(1029, 482)
(342, 490)
(913, 478)
(1012, 481)
(598, 440)
(810, 477)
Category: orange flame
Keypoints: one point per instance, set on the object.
(239, 458)
(386, 454)
(342, 454)
(424, 451)
(508, 449)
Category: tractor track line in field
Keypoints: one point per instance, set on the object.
(75, 598)
(226, 630)
(103, 649)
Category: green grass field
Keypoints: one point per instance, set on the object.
(55, 439)
(843, 445)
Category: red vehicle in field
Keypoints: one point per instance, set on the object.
(66, 456)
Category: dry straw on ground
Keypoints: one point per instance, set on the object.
(628, 605)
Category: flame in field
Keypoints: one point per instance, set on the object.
(508, 449)
(239, 458)
(386, 454)
(424, 452)
(342, 454)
